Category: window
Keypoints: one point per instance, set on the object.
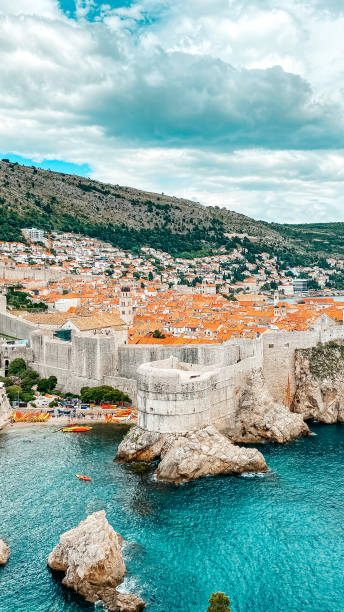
(271, 345)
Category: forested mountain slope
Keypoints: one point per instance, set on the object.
(130, 218)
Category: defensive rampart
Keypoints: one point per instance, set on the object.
(26, 272)
(16, 327)
(130, 357)
(163, 393)
(177, 397)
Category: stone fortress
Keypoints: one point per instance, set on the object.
(176, 388)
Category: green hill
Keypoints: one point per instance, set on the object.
(130, 218)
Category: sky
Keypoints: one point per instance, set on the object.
(235, 103)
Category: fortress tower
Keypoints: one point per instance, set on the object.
(126, 306)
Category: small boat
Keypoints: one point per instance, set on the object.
(77, 429)
(81, 477)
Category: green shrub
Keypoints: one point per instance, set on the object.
(104, 393)
(45, 385)
(17, 367)
(218, 602)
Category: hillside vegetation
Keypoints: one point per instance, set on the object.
(130, 218)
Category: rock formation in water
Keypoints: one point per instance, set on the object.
(188, 456)
(319, 376)
(4, 552)
(141, 445)
(260, 418)
(90, 556)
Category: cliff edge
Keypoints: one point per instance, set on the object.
(319, 374)
(260, 418)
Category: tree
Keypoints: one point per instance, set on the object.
(28, 379)
(157, 334)
(17, 367)
(150, 276)
(47, 384)
(218, 602)
(13, 392)
(103, 393)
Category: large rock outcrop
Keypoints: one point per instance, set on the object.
(4, 552)
(260, 418)
(140, 445)
(319, 376)
(90, 555)
(191, 455)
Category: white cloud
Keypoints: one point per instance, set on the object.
(223, 101)
(42, 8)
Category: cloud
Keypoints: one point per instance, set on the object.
(223, 101)
(43, 8)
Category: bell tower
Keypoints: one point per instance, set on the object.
(126, 306)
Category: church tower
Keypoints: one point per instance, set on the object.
(276, 298)
(126, 310)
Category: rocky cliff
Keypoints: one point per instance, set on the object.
(260, 418)
(188, 456)
(319, 375)
(90, 556)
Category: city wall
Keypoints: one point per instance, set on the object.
(26, 272)
(130, 357)
(85, 361)
(15, 326)
(174, 396)
(177, 397)
(167, 396)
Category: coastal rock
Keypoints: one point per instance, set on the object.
(4, 552)
(319, 376)
(124, 602)
(260, 418)
(91, 557)
(191, 455)
(206, 452)
(140, 445)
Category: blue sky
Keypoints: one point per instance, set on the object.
(70, 6)
(236, 103)
(49, 164)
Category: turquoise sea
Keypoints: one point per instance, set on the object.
(272, 543)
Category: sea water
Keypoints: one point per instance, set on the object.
(272, 542)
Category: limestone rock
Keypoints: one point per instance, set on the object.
(91, 557)
(4, 552)
(140, 445)
(124, 602)
(319, 374)
(206, 452)
(260, 418)
(188, 456)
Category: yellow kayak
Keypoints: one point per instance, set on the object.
(76, 429)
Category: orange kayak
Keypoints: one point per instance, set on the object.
(78, 429)
(81, 477)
